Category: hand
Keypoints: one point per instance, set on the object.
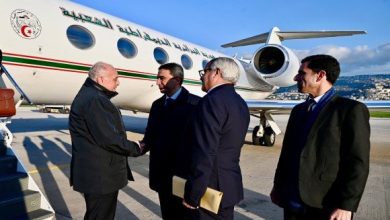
(340, 214)
(188, 205)
(142, 147)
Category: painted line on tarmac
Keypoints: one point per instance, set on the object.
(246, 213)
(49, 168)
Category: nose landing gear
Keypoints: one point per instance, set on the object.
(268, 138)
(265, 133)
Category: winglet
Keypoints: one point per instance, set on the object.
(275, 36)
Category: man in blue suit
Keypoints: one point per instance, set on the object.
(324, 163)
(219, 131)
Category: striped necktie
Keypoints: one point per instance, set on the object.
(310, 104)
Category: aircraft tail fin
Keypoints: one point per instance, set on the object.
(276, 36)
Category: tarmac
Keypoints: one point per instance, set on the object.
(42, 142)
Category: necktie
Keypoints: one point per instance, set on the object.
(310, 104)
(168, 102)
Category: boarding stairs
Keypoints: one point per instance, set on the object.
(20, 197)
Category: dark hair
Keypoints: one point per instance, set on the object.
(324, 62)
(175, 69)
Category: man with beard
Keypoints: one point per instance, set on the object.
(167, 125)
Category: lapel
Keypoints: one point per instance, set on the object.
(298, 115)
(322, 117)
(182, 98)
(161, 102)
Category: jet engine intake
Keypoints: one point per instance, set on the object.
(275, 64)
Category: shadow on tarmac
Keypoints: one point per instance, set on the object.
(47, 151)
(52, 123)
(40, 158)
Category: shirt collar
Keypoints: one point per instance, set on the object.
(324, 98)
(328, 93)
(175, 95)
(318, 98)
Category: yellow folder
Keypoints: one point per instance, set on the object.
(209, 201)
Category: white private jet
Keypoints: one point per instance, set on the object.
(49, 46)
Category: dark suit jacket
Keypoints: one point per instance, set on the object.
(219, 132)
(163, 137)
(334, 162)
(99, 142)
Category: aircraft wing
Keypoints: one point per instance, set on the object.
(275, 106)
(383, 105)
(286, 35)
(285, 106)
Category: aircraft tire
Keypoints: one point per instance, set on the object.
(256, 140)
(269, 137)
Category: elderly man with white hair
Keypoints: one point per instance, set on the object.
(219, 130)
(100, 147)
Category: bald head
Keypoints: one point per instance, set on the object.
(105, 75)
(99, 69)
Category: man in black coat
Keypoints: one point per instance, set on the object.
(220, 126)
(324, 163)
(166, 129)
(100, 147)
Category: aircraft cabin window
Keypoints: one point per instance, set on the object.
(127, 48)
(186, 61)
(80, 37)
(160, 55)
(204, 63)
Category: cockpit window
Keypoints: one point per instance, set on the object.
(160, 55)
(186, 61)
(80, 37)
(127, 48)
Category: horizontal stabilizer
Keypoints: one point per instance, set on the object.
(286, 35)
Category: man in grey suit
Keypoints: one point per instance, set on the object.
(324, 163)
(219, 130)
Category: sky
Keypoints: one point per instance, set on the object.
(213, 23)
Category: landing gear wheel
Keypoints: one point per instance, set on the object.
(255, 139)
(269, 137)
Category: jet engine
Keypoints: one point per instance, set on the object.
(275, 64)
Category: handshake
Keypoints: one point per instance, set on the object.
(143, 149)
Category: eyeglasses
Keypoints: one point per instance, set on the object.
(203, 72)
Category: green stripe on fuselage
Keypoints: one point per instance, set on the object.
(75, 67)
(45, 63)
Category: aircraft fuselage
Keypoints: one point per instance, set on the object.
(38, 43)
